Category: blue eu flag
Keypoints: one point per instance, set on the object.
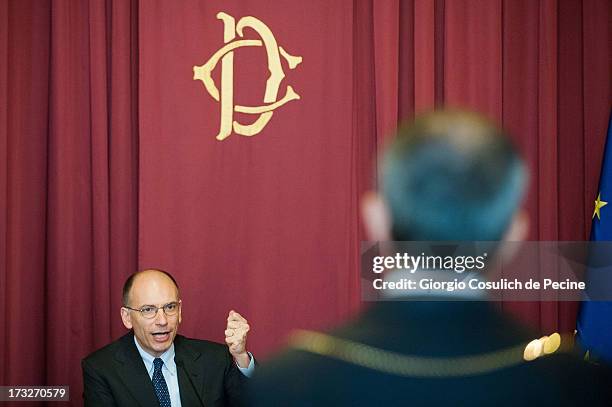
(595, 320)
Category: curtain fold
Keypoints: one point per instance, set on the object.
(24, 85)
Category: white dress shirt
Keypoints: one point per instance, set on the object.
(170, 373)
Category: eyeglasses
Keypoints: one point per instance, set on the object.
(150, 311)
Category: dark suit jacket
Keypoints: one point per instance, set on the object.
(430, 330)
(116, 375)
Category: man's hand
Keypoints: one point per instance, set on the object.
(235, 337)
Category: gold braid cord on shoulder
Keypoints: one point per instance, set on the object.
(416, 366)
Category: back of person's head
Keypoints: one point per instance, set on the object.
(452, 175)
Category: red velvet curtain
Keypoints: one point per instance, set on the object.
(68, 184)
(109, 161)
(265, 224)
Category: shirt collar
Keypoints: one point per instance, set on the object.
(167, 357)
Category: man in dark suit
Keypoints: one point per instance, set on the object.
(153, 366)
(449, 176)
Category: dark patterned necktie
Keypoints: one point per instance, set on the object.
(159, 383)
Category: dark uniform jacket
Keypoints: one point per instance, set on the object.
(427, 354)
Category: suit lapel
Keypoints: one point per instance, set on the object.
(134, 374)
(190, 362)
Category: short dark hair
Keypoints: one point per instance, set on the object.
(127, 286)
(452, 175)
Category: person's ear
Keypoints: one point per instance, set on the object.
(376, 217)
(126, 318)
(180, 308)
(519, 227)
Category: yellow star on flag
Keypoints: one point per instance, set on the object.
(598, 205)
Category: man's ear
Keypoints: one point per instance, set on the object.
(126, 318)
(376, 217)
(519, 227)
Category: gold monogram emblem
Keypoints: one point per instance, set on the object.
(226, 56)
